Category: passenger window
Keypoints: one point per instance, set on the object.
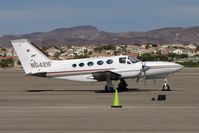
(90, 63)
(100, 62)
(81, 64)
(110, 61)
(122, 60)
(128, 62)
(74, 65)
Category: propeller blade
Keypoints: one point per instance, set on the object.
(143, 69)
(138, 78)
(144, 79)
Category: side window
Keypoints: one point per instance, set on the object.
(100, 62)
(110, 61)
(81, 64)
(122, 60)
(74, 65)
(90, 63)
(128, 62)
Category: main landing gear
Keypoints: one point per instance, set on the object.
(165, 86)
(121, 86)
(109, 87)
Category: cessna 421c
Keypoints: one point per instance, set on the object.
(36, 63)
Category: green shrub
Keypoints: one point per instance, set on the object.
(189, 64)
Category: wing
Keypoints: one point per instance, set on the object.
(106, 75)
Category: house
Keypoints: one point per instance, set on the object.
(165, 46)
(82, 49)
(118, 48)
(77, 53)
(178, 51)
(192, 52)
(3, 51)
(63, 54)
(191, 46)
(109, 52)
(179, 45)
(15, 59)
(52, 51)
(164, 52)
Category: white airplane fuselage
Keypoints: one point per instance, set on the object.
(65, 70)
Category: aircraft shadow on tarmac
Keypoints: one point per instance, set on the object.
(96, 91)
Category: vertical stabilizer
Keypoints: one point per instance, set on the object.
(32, 58)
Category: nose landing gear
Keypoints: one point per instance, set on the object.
(165, 86)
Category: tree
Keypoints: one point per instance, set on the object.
(161, 57)
(105, 47)
(137, 44)
(154, 45)
(18, 62)
(81, 56)
(197, 48)
(90, 53)
(57, 54)
(7, 62)
(85, 51)
(147, 46)
(146, 57)
(115, 52)
(181, 56)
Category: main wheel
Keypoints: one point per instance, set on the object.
(121, 86)
(109, 89)
(166, 87)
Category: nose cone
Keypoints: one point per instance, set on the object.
(176, 67)
(179, 67)
(164, 67)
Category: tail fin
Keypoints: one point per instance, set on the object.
(32, 58)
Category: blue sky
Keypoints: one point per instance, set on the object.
(27, 16)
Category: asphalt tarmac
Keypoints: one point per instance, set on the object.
(34, 105)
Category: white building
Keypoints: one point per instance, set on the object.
(178, 51)
(191, 46)
(51, 51)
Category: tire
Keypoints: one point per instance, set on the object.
(121, 86)
(109, 89)
(166, 88)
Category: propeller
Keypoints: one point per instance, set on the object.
(143, 70)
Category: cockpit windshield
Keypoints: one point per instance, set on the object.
(132, 59)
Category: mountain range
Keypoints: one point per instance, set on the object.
(90, 35)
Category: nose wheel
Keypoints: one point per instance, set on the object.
(165, 86)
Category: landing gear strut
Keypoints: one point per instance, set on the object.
(122, 85)
(165, 86)
(109, 87)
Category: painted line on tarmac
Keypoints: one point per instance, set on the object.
(101, 107)
(163, 107)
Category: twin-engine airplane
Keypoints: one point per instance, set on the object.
(36, 63)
